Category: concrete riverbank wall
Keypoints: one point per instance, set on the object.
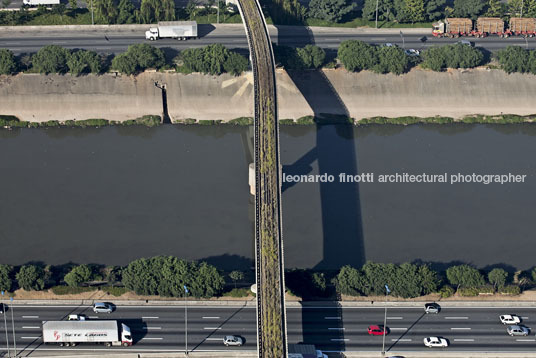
(456, 93)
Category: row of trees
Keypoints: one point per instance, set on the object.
(299, 58)
(412, 280)
(357, 56)
(452, 56)
(213, 59)
(517, 59)
(411, 11)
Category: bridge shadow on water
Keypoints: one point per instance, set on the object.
(334, 153)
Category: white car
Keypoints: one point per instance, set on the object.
(510, 319)
(232, 341)
(76, 317)
(432, 342)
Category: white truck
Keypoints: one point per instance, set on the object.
(180, 30)
(70, 333)
(40, 2)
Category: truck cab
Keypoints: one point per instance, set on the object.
(126, 336)
(438, 28)
(151, 34)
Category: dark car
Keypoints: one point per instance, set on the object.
(3, 308)
(432, 308)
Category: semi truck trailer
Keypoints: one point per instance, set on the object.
(40, 2)
(71, 333)
(485, 26)
(180, 30)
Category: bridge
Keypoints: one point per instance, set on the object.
(271, 315)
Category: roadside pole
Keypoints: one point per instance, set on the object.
(92, 21)
(13, 326)
(387, 291)
(5, 326)
(185, 321)
(377, 2)
(403, 41)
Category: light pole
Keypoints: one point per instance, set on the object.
(387, 291)
(185, 321)
(92, 21)
(377, 1)
(5, 326)
(403, 41)
(218, 6)
(13, 326)
(522, 3)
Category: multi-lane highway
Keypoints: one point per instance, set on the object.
(233, 36)
(162, 328)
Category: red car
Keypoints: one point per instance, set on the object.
(376, 330)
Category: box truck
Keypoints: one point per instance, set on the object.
(40, 2)
(180, 30)
(70, 333)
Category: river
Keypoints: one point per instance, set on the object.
(110, 195)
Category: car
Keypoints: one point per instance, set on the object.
(510, 319)
(465, 42)
(412, 52)
(76, 317)
(388, 44)
(432, 308)
(3, 308)
(436, 342)
(232, 341)
(102, 307)
(375, 330)
(517, 330)
(319, 354)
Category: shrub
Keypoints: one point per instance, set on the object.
(213, 59)
(68, 290)
(486, 289)
(311, 56)
(138, 58)
(497, 277)
(78, 275)
(83, 61)
(391, 59)
(330, 10)
(351, 281)
(238, 292)
(468, 291)
(510, 290)
(514, 59)
(5, 277)
(241, 121)
(452, 56)
(464, 276)
(31, 277)
(446, 291)
(8, 65)
(115, 291)
(236, 276)
(357, 55)
(51, 59)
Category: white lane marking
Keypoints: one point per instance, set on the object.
(464, 340)
(93, 317)
(378, 39)
(211, 317)
(148, 328)
(340, 339)
(30, 327)
(337, 329)
(524, 318)
(525, 340)
(29, 337)
(401, 340)
(153, 338)
(213, 339)
(103, 48)
(150, 317)
(212, 328)
(59, 42)
(30, 316)
(461, 328)
(332, 317)
(398, 328)
(456, 317)
(395, 317)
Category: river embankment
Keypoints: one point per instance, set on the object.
(419, 93)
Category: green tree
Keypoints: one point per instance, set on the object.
(516, 7)
(285, 12)
(532, 62)
(319, 282)
(79, 274)
(51, 59)
(126, 12)
(236, 276)
(435, 9)
(157, 10)
(124, 63)
(73, 4)
(356, 55)
(429, 280)
(391, 59)
(8, 65)
(6, 283)
(330, 10)
(469, 8)
(113, 274)
(352, 282)
(6, 3)
(531, 8)
(494, 8)
(191, 8)
(235, 63)
(513, 59)
(138, 58)
(464, 276)
(497, 277)
(213, 59)
(414, 10)
(385, 10)
(311, 56)
(106, 11)
(59, 9)
(83, 61)
(31, 277)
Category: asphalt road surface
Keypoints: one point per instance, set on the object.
(234, 37)
(162, 328)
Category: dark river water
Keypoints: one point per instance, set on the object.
(110, 195)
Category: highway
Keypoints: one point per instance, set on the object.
(161, 328)
(233, 36)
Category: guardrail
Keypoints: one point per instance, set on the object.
(271, 316)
